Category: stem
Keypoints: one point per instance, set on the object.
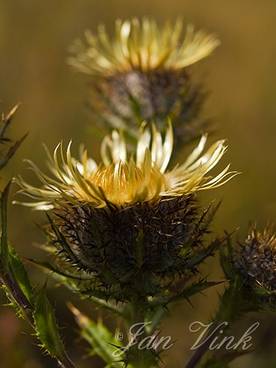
(229, 310)
(200, 352)
(137, 317)
(18, 297)
(66, 363)
(140, 356)
(155, 321)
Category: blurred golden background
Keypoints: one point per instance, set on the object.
(241, 78)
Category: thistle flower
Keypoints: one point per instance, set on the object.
(256, 259)
(129, 216)
(142, 72)
(121, 180)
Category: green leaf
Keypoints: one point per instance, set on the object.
(12, 272)
(235, 301)
(186, 293)
(46, 266)
(203, 254)
(46, 326)
(155, 317)
(101, 340)
(4, 251)
(5, 123)
(194, 289)
(12, 150)
(36, 309)
(226, 258)
(20, 275)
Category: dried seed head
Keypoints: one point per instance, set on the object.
(256, 258)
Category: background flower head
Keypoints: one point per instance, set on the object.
(256, 259)
(141, 45)
(141, 73)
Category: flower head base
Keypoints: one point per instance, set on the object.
(141, 45)
(256, 259)
(121, 180)
(150, 249)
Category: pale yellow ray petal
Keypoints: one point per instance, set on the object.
(142, 145)
(167, 148)
(196, 152)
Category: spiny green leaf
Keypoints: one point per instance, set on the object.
(46, 326)
(4, 251)
(13, 273)
(5, 123)
(12, 303)
(19, 274)
(4, 160)
(101, 340)
(195, 288)
(205, 253)
(46, 266)
(236, 301)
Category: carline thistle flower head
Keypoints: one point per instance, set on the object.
(142, 72)
(129, 215)
(256, 259)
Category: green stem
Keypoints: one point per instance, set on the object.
(231, 308)
(202, 350)
(140, 356)
(66, 363)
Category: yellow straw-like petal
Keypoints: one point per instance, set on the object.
(122, 181)
(141, 45)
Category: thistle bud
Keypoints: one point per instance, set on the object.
(256, 259)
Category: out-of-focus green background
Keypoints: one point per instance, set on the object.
(34, 37)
